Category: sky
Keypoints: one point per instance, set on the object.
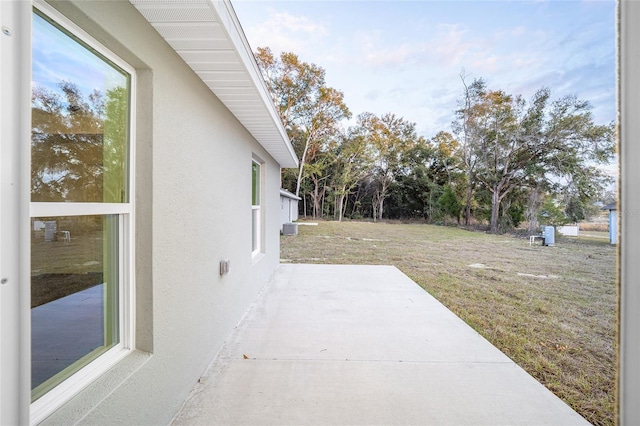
(57, 57)
(407, 57)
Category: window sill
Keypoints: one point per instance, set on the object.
(256, 257)
(104, 374)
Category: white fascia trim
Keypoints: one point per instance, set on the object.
(231, 24)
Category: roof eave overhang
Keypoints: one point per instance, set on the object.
(208, 37)
(288, 194)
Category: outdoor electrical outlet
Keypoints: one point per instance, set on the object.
(224, 267)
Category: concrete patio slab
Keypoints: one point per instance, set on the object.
(343, 344)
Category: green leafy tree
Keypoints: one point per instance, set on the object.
(448, 155)
(420, 181)
(310, 111)
(468, 126)
(318, 172)
(353, 164)
(450, 204)
(520, 144)
(552, 213)
(389, 137)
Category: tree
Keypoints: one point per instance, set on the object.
(352, 165)
(447, 154)
(413, 188)
(533, 205)
(389, 137)
(518, 144)
(578, 149)
(551, 213)
(426, 169)
(319, 172)
(468, 127)
(310, 111)
(450, 204)
(502, 155)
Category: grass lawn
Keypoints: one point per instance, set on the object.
(552, 310)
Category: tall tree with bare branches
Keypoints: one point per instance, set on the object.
(310, 111)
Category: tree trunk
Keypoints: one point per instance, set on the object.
(374, 206)
(302, 161)
(304, 205)
(532, 210)
(381, 195)
(316, 200)
(467, 206)
(340, 204)
(380, 207)
(496, 198)
(345, 205)
(357, 201)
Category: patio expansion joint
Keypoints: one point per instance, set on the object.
(385, 361)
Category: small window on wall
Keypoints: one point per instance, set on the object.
(256, 210)
(81, 209)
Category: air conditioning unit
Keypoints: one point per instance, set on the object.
(290, 229)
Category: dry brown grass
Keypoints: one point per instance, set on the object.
(551, 309)
(595, 226)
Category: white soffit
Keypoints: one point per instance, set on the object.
(208, 37)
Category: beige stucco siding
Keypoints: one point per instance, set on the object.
(193, 209)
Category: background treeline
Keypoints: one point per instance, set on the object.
(507, 161)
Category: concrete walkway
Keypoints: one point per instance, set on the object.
(356, 345)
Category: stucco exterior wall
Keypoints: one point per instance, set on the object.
(193, 209)
(288, 210)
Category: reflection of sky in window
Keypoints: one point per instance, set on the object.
(57, 57)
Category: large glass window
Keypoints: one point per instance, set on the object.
(256, 211)
(80, 202)
(80, 129)
(74, 295)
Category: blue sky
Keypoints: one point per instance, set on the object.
(56, 58)
(406, 57)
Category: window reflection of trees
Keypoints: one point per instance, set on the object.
(78, 154)
(78, 150)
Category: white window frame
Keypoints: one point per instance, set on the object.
(257, 210)
(52, 400)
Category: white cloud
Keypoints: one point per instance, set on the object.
(450, 45)
(378, 50)
(391, 57)
(510, 33)
(409, 64)
(284, 32)
(295, 23)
